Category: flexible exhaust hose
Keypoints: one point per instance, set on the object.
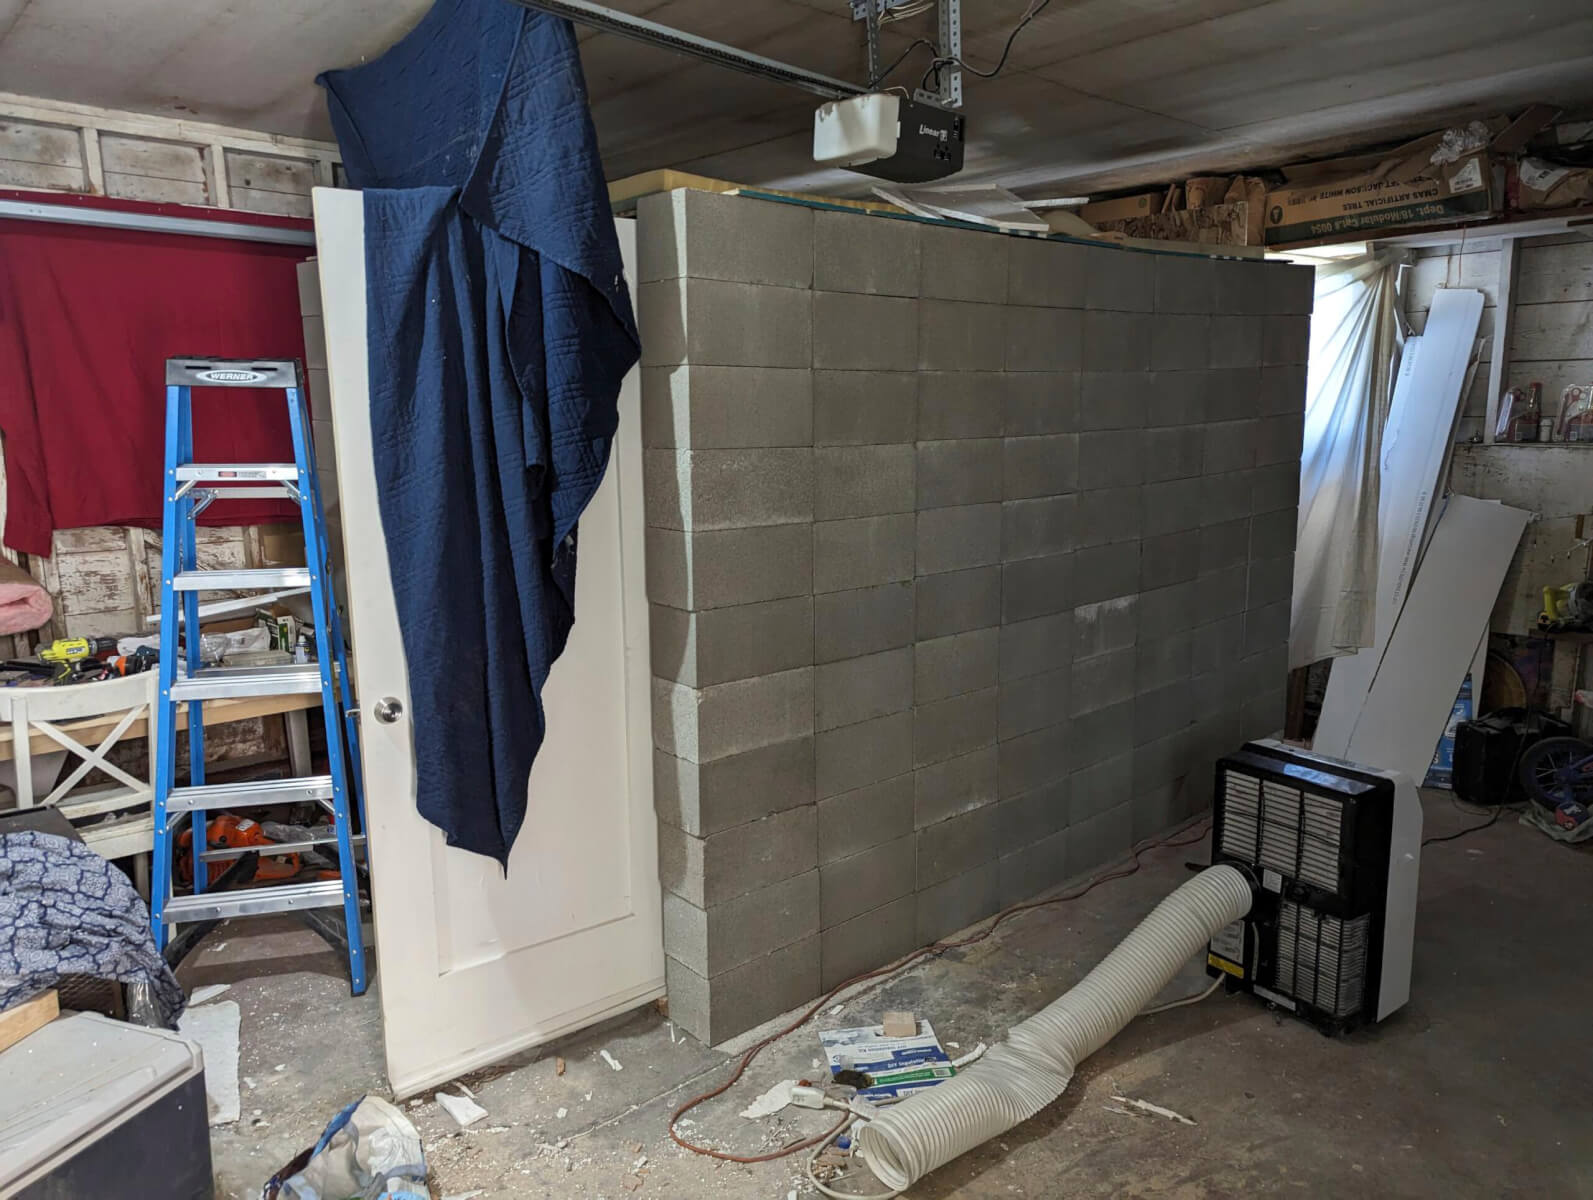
(1032, 1067)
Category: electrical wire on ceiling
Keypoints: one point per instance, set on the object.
(1036, 7)
(901, 58)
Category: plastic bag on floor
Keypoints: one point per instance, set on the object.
(369, 1151)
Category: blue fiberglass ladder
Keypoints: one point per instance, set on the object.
(190, 487)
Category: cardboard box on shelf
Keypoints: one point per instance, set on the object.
(1218, 225)
(1121, 208)
(1537, 185)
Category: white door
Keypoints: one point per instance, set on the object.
(473, 966)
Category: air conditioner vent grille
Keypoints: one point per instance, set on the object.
(1275, 825)
(1321, 959)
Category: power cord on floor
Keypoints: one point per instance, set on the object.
(1450, 837)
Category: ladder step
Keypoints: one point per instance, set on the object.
(275, 848)
(253, 902)
(214, 796)
(237, 472)
(224, 683)
(253, 577)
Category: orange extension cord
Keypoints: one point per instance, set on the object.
(900, 965)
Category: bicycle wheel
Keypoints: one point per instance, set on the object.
(1558, 769)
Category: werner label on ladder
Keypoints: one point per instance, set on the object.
(189, 488)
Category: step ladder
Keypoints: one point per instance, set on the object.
(189, 488)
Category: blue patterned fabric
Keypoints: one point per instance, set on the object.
(499, 328)
(64, 910)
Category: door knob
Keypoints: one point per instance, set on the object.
(388, 709)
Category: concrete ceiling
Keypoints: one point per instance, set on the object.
(1097, 94)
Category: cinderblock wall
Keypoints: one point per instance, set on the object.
(967, 555)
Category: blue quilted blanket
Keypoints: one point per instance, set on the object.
(499, 329)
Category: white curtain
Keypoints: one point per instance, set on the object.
(1354, 342)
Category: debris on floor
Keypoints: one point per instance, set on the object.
(369, 1149)
(1157, 1110)
(882, 1066)
(771, 1102)
(610, 1060)
(899, 1025)
(465, 1111)
(558, 1066)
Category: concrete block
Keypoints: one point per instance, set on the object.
(1167, 610)
(745, 996)
(1272, 534)
(1163, 711)
(703, 408)
(949, 728)
(735, 238)
(704, 798)
(714, 323)
(954, 539)
(960, 404)
(860, 689)
(957, 336)
(1176, 398)
(1224, 498)
(1113, 399)
(1266, 669)
(1161, 761)
(1266, 627)
(1032, 816)
(1032, 870)
(1100, 787)
(1180, 343)
(1278, 440)
(1214, 644)
(1103, 680)
(1175, 453)
(963, 264)
(1241, 286)
(955, 601)
(865, 817)
(1236, 341)
(1045, 274)
(1271, 580)
(1289, 289)
(1036, 587)
(864, 408)
(1105, 625)
(956, 903)
(856, 253)
(1285, 340)
(1172, 506)
(855, 756)
(953, 846)
(1039, 466)
(1118, 341)
(1111, 458)
(708, 871)
(1107, 515)
(1101, 839)
(864, 333)
(1036, 760)
(956, 786)
(1263, 715)
(1157, 810)
(1233, 394)
(862, 552)
(728, 489)
(1032, 528)
(716, 568)
(950, 666)
(1101, 572)
(867, 941)
(1102, 734)
(1224, 545)
(1283, 390)
(862, 481)
(1220, 593)
(1037, 645)
(1119, 279)
(866, 881)
(1040, 402)
(967, 471)
(1230, 446)
(712, 941)
(1043, 339)
(1275, 487)
(723, 644)
(702, 724)
(1185, 284)
(862, 621)
(1033, 702)
(1168, 559)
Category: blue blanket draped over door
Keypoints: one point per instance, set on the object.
(499, 329)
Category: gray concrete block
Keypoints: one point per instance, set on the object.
(862, 552)
(953, 846)
(855, 756)
(1263, 715)
(1275, 487)
(1283, 390)
(1037, 645)
(867, 941)
(960, 404)
(1102, 839)
(1278, 440)
(1271, 580)
(1102, 734)
(1163, 711)
(1216, 643)
(745, 996)
(1033, 815)
(1185, 284)
(866, 881)
(1172, 506)
(1103, 680)
(957, 600)
(958, 725)
(1045, 274)
(957, 903)
(1176, 398)
(1241, 286)
(1180, 343)
(950, 666)
(862, 481)
(1162, 760)
(1175, 453)
(1220, 593)
(1266, 627)
(714, 323)
(954, 539)
(863, 408)
(967, 471)
(1039, 466)
(853, 252)
(1119, 279)
(862, 621)
(1105, 625)
(1101, 572)
(865, 817)
(1034, 869)
(1230, 446)
(1043, 339)
(1118, 341)
(1156, 811)
(964, 264)
(860, 689)
(1285, 340)
(1036, 587)
(1289, 288)
(1034, 702)
(723, 644)
(864, 333)
(712, 941)
(702, 724)
(716, 568)
(1111, 458)
(708, 871)
(699, 408)
(1236, 341)
(708, 235)
(1108, 515)
(728, 489)
(1224, 545)
(704, 798)
(1100, 787)
(1032, 528)
(1272, 534)
(958, 785)
(958, 336)
(1168, 559)
(1036, 760)
(1167, 610)
(1233, 394)
(1040, 402)
(1224, 498)
(1264, 669)
(1113, 399)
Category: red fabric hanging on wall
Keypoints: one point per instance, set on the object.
(88, 317)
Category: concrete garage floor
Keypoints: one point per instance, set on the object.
(1478, 1088)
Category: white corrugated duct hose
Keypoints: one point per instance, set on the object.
(1032, 1067)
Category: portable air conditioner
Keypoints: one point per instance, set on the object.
(1333, 850)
